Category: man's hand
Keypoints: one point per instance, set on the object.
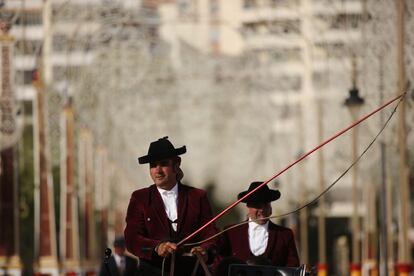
(166, 248)
(201, 251)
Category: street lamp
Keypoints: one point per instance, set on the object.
(354, 103)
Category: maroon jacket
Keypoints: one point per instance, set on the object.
(148, 225)
(281, 248)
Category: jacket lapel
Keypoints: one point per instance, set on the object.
(181, 206)
(271, 241)
(157, 206)
(113, 268)
(244, 241)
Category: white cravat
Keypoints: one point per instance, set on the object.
(170, 203)
(258, 237)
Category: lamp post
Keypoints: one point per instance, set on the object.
(404, 265)
(354, 103)
(322, 265)
(10, 131)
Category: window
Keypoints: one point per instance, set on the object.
(284, 27)
(214, 7)
(286, 54)
(346, 21)
(279, 83)
(248, 4)
(27, 47)
(332, 49)
(187, 9)
(283, 3)
(29, 18)
(342, 21)
(24, 77)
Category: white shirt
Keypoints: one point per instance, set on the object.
(170, 203)
(258, 237)
(120, 262)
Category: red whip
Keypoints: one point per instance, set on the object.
(288, 167)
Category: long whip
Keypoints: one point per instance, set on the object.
(289, 166)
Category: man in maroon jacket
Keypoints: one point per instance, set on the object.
(260, 239)
(164, 213)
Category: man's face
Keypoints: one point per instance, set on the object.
(164, 173)
(257, 211)
(119, 250)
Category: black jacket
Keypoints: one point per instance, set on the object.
(130, 267)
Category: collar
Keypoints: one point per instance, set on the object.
(173, 191)
(118, 257)
(255, 226)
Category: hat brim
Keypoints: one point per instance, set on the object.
(257, 197)
(153, 158)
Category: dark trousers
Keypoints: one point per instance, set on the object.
(145, 268)
(184, 266)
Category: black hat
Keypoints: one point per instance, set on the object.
(119, 242)
(159, 150)
(264, 194)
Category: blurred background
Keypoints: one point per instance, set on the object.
(248, 86)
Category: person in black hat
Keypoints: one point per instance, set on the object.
(260, 237)
(119, 264)
(164, 213)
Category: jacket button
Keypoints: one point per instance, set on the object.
(148, 219)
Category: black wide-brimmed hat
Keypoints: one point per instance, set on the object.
(264, 194)
(161, 149)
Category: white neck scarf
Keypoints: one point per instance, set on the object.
(258, 237)
(169, 197)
